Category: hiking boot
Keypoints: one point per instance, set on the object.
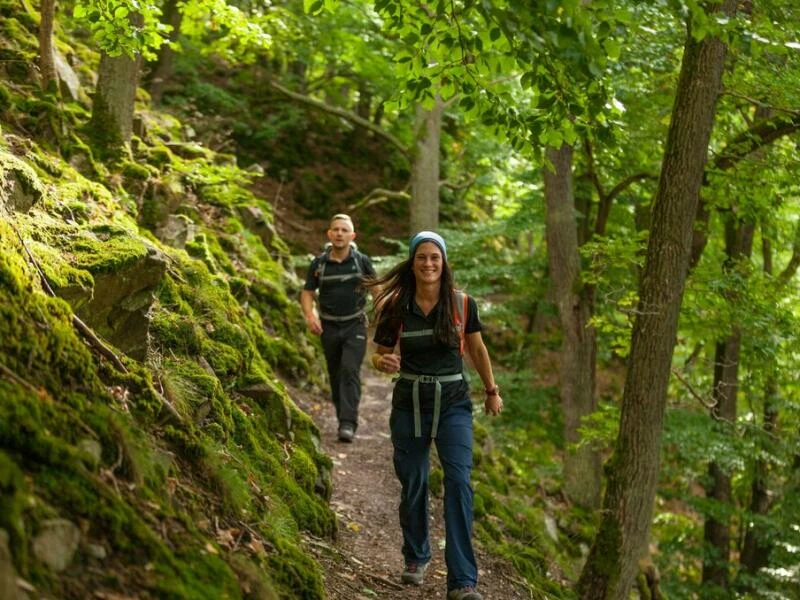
(346, 432)
(414, 573)
(467, 593)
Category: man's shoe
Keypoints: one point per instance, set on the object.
(467, 593)
(346, 432)
(414, 573)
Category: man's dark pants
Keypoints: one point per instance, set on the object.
(345, 343)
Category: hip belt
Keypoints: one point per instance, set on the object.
(437, 397)
(327, 317)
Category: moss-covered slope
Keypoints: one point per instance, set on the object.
(188, 473)
(148, 445)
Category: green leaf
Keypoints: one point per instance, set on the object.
(494, 34)
(613, 48)
(315, 6)
(467, 103)
(526, 81)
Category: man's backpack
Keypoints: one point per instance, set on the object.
(323, 260)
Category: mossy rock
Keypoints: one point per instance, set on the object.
(13, 496)
(20, 186)
(6, 100)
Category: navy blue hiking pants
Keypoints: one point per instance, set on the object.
(344, 344)
(412, 465)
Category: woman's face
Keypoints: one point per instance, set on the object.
(427, 265)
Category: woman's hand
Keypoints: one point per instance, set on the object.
(387, 363)
(493, 404)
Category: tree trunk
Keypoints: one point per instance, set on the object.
(47, 59)
(633, 470)
(738, 245)
(359, 135)
(756, 547)
(112, 110)
(162, 71)
(425, 169)
(578, 346)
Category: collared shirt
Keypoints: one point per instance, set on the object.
(343, 294)
(425, 356)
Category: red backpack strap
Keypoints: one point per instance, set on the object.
(461, 301)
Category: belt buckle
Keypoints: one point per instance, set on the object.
(428, 379)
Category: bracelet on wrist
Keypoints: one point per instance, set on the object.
(493, 391)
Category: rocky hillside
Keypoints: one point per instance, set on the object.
(150, 330)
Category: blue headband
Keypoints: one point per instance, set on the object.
(426, 236)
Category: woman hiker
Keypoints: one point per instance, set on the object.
(418, 307)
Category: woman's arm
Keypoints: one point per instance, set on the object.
(483, 365)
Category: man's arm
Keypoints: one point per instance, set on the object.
(307, 302)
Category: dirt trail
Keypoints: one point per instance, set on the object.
(365, 561)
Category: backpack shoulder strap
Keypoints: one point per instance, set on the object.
(461, 301)
(359, 258)
(323, 259)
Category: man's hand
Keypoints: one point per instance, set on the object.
(313, 324)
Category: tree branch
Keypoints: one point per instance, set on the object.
(458, 186)
(794, 261)
(344, 114)
(761, 134)
(377, 196)
(605, 205)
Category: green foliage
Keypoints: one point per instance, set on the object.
(509, 474)
(124, 26)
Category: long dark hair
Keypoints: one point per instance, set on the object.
(396, 291)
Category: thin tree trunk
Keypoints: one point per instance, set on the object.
(47, 59)
(633, 470)
(578, 346)
(162, 71)
(716, 531)
(112, 109)
(756, 547)
(359, 134)
(717, 527)
(425, 169)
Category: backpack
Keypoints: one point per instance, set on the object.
(323, 259)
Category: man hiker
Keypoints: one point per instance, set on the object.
(337, 275)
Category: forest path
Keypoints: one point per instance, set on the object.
(365, 561)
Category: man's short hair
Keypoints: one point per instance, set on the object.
(342, 217)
